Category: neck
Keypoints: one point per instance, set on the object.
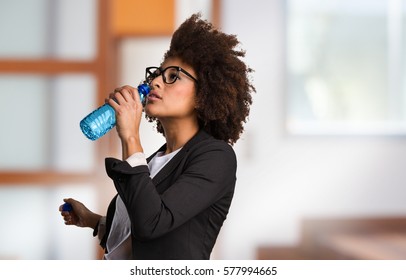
(178, 133)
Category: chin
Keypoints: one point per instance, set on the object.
(150, 112)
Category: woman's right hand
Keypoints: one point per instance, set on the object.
(128, 109)
(79, 216)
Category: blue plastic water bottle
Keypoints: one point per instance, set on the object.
(101, 120)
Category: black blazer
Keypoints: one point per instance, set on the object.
(177, 214)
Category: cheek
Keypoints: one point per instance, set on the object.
(187, 101)
(176, 104)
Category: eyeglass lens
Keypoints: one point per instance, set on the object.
(169, 75)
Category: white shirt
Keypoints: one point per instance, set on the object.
(119, 240)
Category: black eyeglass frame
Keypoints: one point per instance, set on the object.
(151, 75)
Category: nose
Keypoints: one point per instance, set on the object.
(157, 82)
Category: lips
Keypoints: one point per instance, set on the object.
(154, 96)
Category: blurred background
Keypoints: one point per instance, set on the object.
(321, 161)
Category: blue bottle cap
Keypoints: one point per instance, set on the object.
(67, 207)
(144, 89)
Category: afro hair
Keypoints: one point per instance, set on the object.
(223, 90)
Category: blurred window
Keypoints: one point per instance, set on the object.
(40, 122)
(50, 78)
(32, 228)
(345, 66)
(39, 29)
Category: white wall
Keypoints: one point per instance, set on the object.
(283, 179)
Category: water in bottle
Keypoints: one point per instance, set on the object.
(101, 120)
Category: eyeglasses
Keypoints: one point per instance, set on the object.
(169, 74)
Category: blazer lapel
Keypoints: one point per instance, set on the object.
(176, 160)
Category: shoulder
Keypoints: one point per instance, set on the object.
(203, 140)
(206, 145)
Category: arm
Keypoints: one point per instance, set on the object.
(128, 110)
(208, 175)
(79, 216)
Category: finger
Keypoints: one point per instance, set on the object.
(127, 87)
(133, 92)
(65, 214)
(119, 97)
(128, 93)
(137, 96)
(69, 200)
(68, 217)
(111, 96)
